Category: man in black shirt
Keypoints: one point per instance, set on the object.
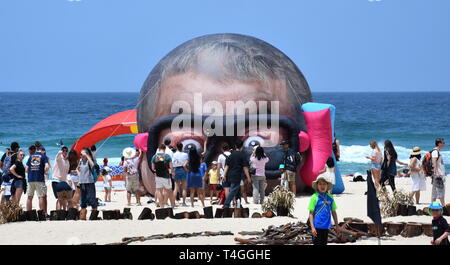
(291, 161)
(236, 166)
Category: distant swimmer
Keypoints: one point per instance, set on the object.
(60, 143)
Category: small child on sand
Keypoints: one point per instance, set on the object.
(107, 184)
(6, 189)
(321, 207)
(439, 225)
(213, 177)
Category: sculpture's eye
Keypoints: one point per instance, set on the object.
(189, 143)
(253, 141)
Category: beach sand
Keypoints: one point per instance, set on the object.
(352, 203)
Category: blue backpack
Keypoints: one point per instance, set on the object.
(95, 171)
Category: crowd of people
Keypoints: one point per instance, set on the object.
(384, 169)
(177, 171)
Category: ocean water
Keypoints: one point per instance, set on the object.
(407, 119)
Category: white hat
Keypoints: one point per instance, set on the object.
(321, 177)
(214, 162)
(129, 152)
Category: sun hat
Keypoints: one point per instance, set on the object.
(321, 177)
(435, 206)
(129, 152)
(214, 162)
(416, 151)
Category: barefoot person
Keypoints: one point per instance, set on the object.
(86, 180)
(376, 158)
(389, 166)
(258, 160)
(291, 162)
(19, 183)
(194, 176)
(37, 167)
(130, 167)
(438, 178)
(63, 189)
(73, 178)
(179, 157)
(162, 166)
(417, 176)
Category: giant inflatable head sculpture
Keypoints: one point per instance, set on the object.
(207, 73)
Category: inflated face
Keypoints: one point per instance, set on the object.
(224, 75)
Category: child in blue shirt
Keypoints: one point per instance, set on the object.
(321, 207)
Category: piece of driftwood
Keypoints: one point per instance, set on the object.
(427, 229)
(126, 214)
(268, 214)
(145, 214)
(412, 230)
(208, 212)
(32, 215)
(219, 213)
(250, 233)
(394, 229)
(245, 212)
(94, 215)
(194, 215)
(161, 213)
(256, 215)
(73, 214)
(376, 230)
(228, 212)
(412, 210)
(128, 240)
(237, 213)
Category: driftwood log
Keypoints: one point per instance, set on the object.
(412, 230)
(128, 240)
(256, 215)
(394, 229)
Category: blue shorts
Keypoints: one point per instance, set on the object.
(180, 174)
(18, 184)
(194, 180)
(376, 166)
(62, 186)
(88, 196)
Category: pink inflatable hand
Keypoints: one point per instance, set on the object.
(303, 138)
(140, 141)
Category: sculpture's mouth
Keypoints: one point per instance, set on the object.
(208, 134)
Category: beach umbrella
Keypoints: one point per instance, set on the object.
(373, 205)
(120, 123)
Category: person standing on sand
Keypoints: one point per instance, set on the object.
(19, 183)
(162, 165)
(389, 165)
(236, 165)
(290, 162)
(376, 158)
(73, 178)
(322, 207)
(179, 158)
(130, 167)
(221, 163)
(417, 176)
(258, 161)
(37, 167)
(63, 189)
(194, 180)
(87, 185)
(438, 178)
(9, 158)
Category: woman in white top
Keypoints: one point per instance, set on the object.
(329, 172)
(417, 176)
(376, 158)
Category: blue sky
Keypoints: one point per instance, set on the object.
(112, 45)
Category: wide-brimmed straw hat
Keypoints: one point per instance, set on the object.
(321, 177)
(129, 152)
(416, 151)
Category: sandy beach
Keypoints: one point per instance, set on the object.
(352, 203)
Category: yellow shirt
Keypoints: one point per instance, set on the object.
(213, 176)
